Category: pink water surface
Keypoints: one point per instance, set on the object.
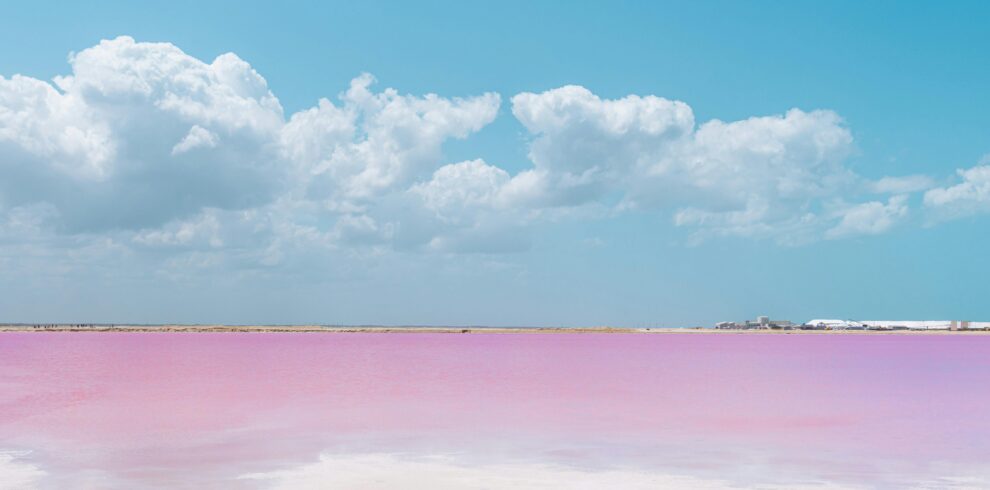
(157, 409)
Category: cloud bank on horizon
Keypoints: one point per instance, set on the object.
(144, 149)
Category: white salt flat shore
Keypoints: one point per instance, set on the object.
(41, 328)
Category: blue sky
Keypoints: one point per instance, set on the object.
(530, 190)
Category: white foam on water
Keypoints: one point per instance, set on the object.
(389, 471)
(17, 474)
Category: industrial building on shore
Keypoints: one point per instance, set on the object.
(764, 322)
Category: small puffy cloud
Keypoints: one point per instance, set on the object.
(196, 138)
(373, 164)
(870, 218)
(902, 185)
(790, 157)
(376, 143)
(756, 220)
(968, 197)
(203, 228)
(460, 186)
(466, 201)
(122, 73)
(584, 146)
(577, 131)
(361, 229)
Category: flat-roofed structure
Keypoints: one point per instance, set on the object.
(927, 324)
(762, 322)
(833, 324)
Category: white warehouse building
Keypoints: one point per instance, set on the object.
(898, 324)
(927, 324)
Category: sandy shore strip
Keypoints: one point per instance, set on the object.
(186, 328)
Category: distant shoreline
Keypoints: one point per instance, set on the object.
(452, 330)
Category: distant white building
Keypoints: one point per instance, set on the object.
(762, 322)
(910, 324)
(833, 324)
(928, 324)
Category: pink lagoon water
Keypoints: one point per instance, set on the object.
(419, 410)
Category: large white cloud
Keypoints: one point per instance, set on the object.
(368, 163)
(579, 131)
(750, 177)
(177, 153)
(137, 135)
(147, 149)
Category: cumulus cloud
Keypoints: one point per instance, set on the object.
(196, 138)
(373, 164)
(762, 176)
(173, 152)
(457, 187)
(968, 197)
(152, 150)
(377, 143)
(203, 228)
(111, 145)
(902, 185)
(578, 131)
(751, 221)
(585, 146)
(870, 218)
